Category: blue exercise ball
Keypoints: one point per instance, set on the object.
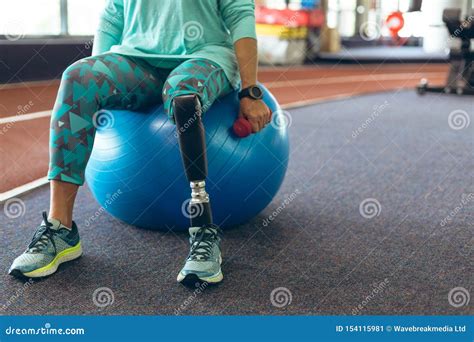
(136, 174)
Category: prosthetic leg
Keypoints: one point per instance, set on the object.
(203, 263)
(192, 142)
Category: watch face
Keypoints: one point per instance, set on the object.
(256, 92)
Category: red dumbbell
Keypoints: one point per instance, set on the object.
(242, 127)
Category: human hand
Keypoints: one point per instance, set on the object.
(256, 112)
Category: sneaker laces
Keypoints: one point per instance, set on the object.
(203, 241)
(42, 236)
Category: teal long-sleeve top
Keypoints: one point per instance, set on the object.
(167, 32)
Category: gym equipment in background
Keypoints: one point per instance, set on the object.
(289, 35)
(395, 23)
(136, 174)
(461, 74)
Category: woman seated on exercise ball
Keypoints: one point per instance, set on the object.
(185, 53)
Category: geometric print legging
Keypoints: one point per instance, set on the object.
(113, 81)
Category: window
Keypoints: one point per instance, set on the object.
(30, 17)
(20, 18)
(83, 16)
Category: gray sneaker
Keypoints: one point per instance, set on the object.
(51, 245)
(203, 263)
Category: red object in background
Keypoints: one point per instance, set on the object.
(242, 128)
(316, 18)
(289, 18)
(395, 23)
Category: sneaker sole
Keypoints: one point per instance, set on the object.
(62, 257)
(192, 278)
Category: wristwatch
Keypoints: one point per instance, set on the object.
(254, 92)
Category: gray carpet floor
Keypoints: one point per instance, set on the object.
(327, 257)
(394, 54)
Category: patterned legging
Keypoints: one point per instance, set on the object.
(113, 81)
